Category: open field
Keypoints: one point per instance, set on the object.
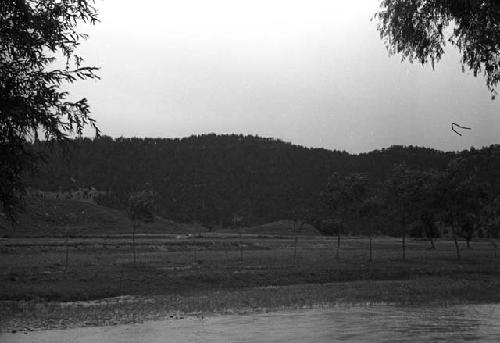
(215, 273)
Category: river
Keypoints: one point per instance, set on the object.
(372, 323)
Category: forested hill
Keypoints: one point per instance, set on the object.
(210, 178)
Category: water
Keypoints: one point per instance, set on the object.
(376, 323)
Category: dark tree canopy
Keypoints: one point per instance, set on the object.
(32, 34)
(141, 205)
(419, 30)
(343, 192)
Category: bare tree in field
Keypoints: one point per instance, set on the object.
(369, 210)
(237, 222)
(141, 209)
(300, 215)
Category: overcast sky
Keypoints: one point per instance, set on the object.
(313, 72)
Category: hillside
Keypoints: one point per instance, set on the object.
(283, 228)
(54, 217)
(211, 178)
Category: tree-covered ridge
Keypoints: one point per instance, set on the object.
(210, 178)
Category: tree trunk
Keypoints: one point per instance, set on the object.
(120, 282)
(241, 249)
(495, 246)
(226, 251)
(371, 254)
(431, 240)
(295, 249)
(457, 247)
(133, 242)
(404, 245)
(337, 254)
(403, 241)
(428, 230)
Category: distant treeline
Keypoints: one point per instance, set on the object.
(213, 179)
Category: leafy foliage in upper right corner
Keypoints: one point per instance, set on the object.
(419, 30)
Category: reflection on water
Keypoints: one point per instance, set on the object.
(376, 323)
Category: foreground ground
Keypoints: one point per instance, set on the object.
(177, 275)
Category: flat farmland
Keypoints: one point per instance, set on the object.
(35, 268)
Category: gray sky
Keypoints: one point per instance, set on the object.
(313, 72)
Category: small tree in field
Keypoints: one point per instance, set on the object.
(490, 218)
(237, 222)
(426, 203)
(342, 195)
(461, 194)
(404, 196)
(369, 210)
(300, 216)
(141, 209)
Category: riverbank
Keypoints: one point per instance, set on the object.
(19, 316)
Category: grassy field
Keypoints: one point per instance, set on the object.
(218, 273)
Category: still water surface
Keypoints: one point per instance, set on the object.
(374, 323)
